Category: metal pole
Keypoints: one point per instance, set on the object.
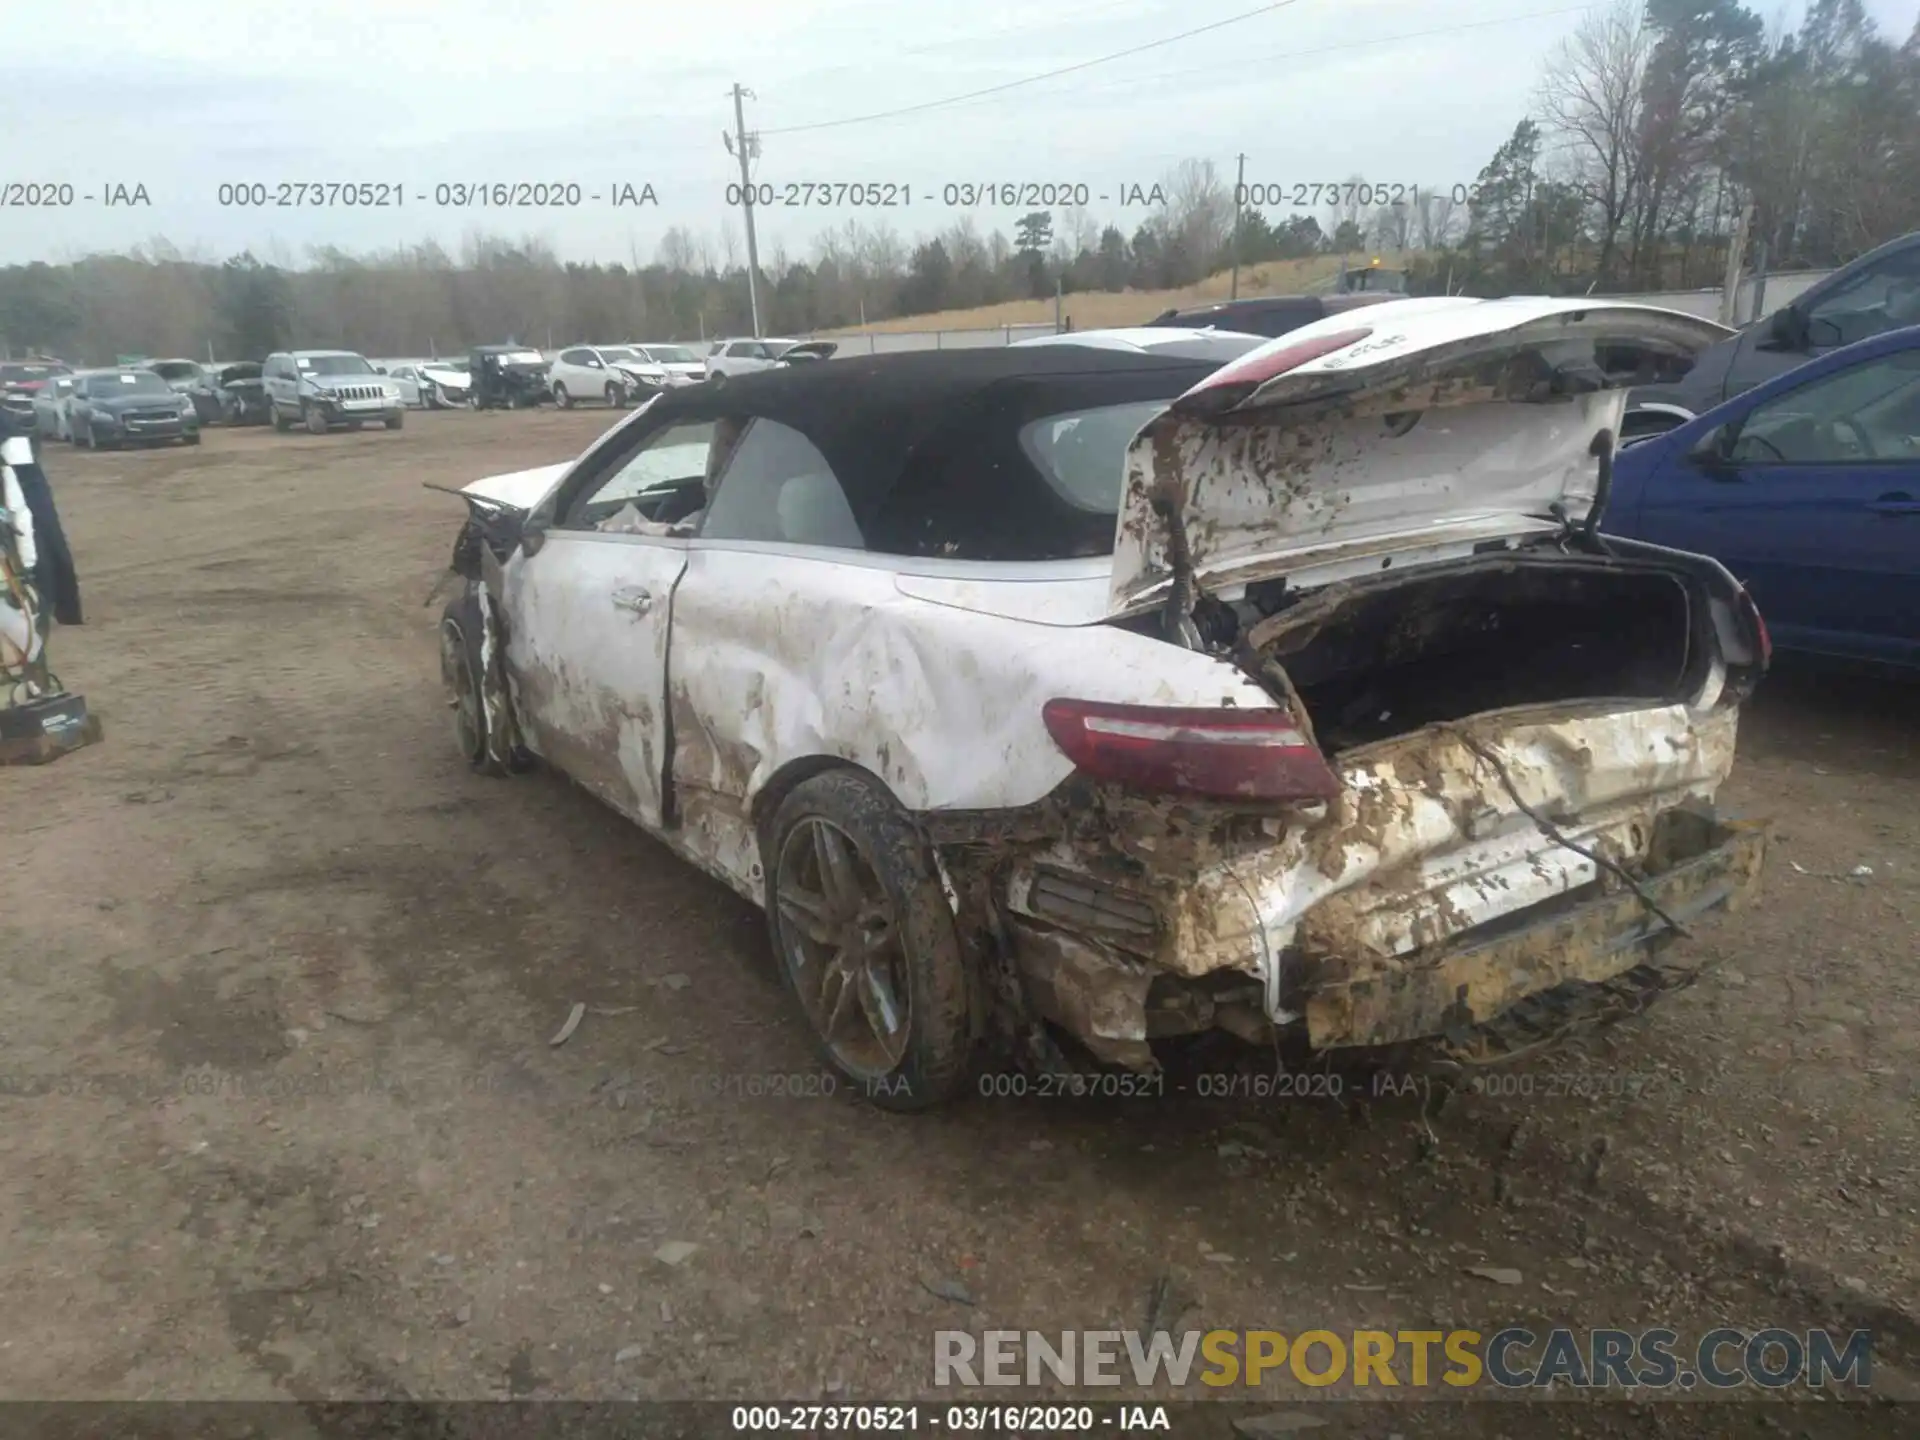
(1736, 255)
(746, 203)
(1759, 283)
(1239, 189)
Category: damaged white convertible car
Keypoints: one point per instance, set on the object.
(1087, 700)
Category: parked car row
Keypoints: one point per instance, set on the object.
(109, 408)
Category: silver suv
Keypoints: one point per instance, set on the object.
(323, 388)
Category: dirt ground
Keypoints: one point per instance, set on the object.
(278, 976)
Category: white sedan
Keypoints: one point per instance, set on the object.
(677, 360)
(53, 408)
(1069, 702)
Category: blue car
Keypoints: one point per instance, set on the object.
(1808, 489)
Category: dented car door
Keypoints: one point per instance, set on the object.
(590, 605)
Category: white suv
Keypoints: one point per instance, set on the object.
(323, 388)
(616, 374)
(742, 357)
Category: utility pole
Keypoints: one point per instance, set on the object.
(745, 148)
(1239, 189)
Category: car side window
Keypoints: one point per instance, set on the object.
(776, 486)
(1886, 297)
(1868, 412)
(662, 481)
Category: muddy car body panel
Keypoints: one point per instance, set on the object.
(1373, 785)
(1404, 425)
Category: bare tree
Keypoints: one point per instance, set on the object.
(677, 250)
(1438, 221)
(1590, 103)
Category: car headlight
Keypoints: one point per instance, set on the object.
(392, 392)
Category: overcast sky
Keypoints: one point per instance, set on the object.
(603, 93)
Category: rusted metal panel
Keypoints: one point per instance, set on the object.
(1593, 941)
(1094, 994)
(1423, 844)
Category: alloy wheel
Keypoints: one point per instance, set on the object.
(841, 947)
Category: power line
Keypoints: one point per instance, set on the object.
(865, 65)
(1035, 79)
(1222, 66)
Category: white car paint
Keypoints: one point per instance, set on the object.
(19, 628)
(53, 408)
(679, 361)
(406, 379)
(451, 379)
(592, 373)
(1187, 343)
(744, 356)
(1311, 472)
(522, 489)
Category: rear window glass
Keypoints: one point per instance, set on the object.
(1082, 454)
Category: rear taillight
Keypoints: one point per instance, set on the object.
(1752, 612)
(1231, 384)
(1224, 754)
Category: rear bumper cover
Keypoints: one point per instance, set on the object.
(1463, 984)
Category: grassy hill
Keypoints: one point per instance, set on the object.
(1098, 308)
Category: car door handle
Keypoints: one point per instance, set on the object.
(633, 598)
(1897, 503)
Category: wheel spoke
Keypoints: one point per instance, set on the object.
(806, 911)
(871, 940)
(878, 1001)
(843, 998)
(837, 876)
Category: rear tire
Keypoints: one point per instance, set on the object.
(460, 673)
(889, 888)
(281, 424)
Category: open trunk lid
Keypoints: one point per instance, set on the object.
(1409, 430)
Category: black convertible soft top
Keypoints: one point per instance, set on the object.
(926, 444)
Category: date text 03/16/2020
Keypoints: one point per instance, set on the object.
(444, 194)
(883, 1419)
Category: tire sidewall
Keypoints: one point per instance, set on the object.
(940, 1048)
(461, 620)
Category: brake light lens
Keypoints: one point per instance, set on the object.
(1752, 612)
(1224, 754)
(1231, 384)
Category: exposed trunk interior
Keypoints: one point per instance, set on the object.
(1390, 656)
